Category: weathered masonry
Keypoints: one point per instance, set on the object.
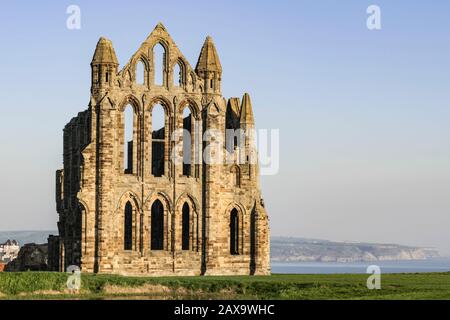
(126, 204)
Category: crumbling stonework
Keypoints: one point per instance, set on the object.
(32, 257)
(152, 214)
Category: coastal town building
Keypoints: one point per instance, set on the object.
(9, 251)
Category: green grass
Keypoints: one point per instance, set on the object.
(44, 285)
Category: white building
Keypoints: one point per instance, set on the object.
(9, 251)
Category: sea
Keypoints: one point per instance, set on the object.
(405, 266)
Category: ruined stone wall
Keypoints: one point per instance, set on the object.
(77, 135)
(110, 212)
(31, 257)
(53, 249)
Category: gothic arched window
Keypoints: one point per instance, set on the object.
(236, 176)
(157, 226)
(187, 141)
(234, 232)
(178, 75)
(128, 139)
(185, 233)
(140, 72)
(158, 140)
(159, 61)
(128, 227)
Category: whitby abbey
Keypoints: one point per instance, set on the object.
(136, 198)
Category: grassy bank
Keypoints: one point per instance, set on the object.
(45, 285)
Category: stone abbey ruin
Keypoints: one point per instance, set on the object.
(136, 198)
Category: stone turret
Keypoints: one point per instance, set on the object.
(104, 65)
(247, 120)
(209, 68)
(247, 124)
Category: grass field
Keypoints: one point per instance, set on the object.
(45, 285)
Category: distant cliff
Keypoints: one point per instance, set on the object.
(285, 249)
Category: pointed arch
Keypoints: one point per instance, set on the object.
(187, 209)
(128, 196)
(235, 215)
(162, 196)
(130, 100)
(234, 232)
(192, 105)
(158, 125)
(160, 236)
(163, 101)
(128, 142)
(128, 227)
(128, 212)
(187, 197)
(160, 54)
(235, 172)
(128, 138)
(178, 75)
(157, 225)
(189, 113)
(141, 71)
(159, 112)
(185, 227)
(188, 141)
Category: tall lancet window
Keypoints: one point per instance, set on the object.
(158, 140)
(177, 75)
(234, 232)
(157, 226)
(187, 141)
(159, 62)
(185, 232)
(128, 227)
(128, 139)
(140, 73)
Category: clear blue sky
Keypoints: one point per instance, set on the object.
(363, 115)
